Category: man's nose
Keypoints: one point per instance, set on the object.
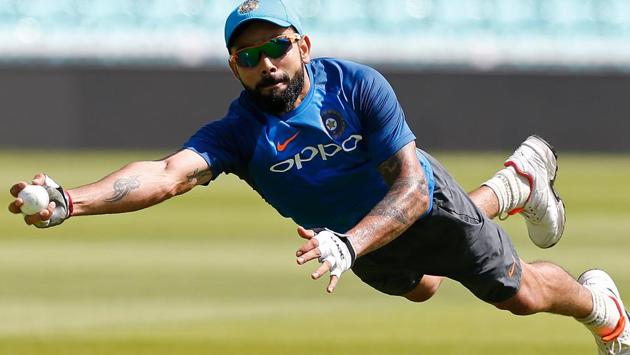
(266, 64)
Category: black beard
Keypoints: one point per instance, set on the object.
(278, 102)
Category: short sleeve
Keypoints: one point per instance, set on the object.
(222, 146)
(382, 116)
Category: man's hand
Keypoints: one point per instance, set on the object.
(333, 250)
(59, 208)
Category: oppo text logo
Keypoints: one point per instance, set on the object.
(321, 151)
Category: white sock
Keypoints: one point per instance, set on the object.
(512, 189)
(605, 315)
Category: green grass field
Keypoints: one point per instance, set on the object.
(213, 272)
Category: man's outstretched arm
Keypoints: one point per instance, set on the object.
(136, 186)
(405, 202)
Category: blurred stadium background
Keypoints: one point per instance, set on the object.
(478, 34)
(89, 85)
(145, 73)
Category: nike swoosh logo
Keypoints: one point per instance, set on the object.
(512, 269)
(282, 146)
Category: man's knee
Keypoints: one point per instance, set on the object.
(421, 296)
(427, 287)
(536, 290)
(522, 304)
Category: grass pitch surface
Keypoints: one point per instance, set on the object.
(213, 272)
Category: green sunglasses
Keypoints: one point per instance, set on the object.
(274, 48)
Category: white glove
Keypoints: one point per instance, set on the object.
(63, 204)
(336, 249)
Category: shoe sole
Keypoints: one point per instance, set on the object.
(552, 183)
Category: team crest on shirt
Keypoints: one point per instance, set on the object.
(248, 6)
(334, 123)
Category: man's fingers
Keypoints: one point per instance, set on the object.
(308, 246)
(332, 284)
(308, 256)
(42, 215)
(305, 233)
(30, 220)
(321, 270)
(15, 189)
(39, 179)
(51, 209)
(14, 207)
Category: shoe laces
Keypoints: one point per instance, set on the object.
(613, 347)
(506, 215)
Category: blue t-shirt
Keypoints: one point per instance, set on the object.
(317, 164)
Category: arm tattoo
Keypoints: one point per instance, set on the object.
(390, 169)
(403, 204)
(199, 175)
(390, 205)
(396, 204)
(123, 186)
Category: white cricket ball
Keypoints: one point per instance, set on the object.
(35, 199)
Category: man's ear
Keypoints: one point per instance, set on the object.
(305, 49)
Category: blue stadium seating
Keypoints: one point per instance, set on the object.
(502, 27)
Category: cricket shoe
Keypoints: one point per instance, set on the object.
(618, 342)
(543, 209)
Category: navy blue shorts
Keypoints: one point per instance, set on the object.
(455, 240)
